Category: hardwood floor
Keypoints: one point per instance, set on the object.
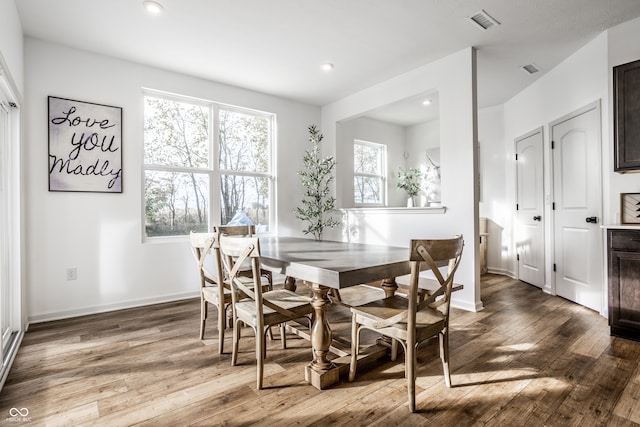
(528, 359)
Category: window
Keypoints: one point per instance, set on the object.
(369, 173)
(195, 177)
(11, 327)
(6, 308)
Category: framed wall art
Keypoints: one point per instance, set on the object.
(630, 208)
(85, 146)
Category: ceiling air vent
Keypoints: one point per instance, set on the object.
(483, 20)
(530, 68)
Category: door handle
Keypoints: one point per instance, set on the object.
(592, 219)
(537, 218)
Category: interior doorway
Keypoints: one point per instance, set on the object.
(577, 205)
(530, 218)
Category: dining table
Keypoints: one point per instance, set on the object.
(327, 265)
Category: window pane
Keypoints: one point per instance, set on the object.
(366, 159)
(244, 142)
(175, 203)
(367, 190)
(245, 198)
(175, 133)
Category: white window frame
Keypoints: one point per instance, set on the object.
(11, 264)
(382, 176)
(213, 171)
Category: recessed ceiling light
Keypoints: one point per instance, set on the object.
(426, 102)
(152, 6)
(327, 66)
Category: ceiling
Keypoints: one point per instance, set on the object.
(277, 46)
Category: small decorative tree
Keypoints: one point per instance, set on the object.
(410, 181)
(317, 203)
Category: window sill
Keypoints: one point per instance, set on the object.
(397, 210)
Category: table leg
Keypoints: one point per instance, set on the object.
(389, 286)
(321, 372)
(290, 283)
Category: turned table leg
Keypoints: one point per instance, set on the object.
(389, 286)
(321, 372)
(290, 283)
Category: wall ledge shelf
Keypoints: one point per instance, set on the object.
(396, 210)
(621, 226)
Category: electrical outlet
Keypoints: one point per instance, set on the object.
(72, 273)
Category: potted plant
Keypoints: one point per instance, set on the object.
(410, 181)
(317, 204)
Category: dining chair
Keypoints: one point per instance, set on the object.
(409, 321)
(244, 231)
(260, 310)
(213, 289)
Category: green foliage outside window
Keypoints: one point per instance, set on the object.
(180, 179)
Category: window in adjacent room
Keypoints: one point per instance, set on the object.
(369, 173)
(205, 164)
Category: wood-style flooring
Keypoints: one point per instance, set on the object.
(527, 359)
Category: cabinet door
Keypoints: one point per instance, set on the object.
(626, 112)
(624, 293)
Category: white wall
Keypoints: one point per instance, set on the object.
(454, 78)
(577, 81)
(421, 138)
(99, 233)
(493, 160)
(11, 44)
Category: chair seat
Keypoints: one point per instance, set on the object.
(246, 310)
(379, 310)
(210, 293)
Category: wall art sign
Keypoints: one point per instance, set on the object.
(85, 146)
(630, 208)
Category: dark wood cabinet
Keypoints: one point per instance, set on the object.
(624, 282)
(626, 114)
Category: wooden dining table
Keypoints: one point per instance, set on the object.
(327, 265)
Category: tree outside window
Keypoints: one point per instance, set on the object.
(369, 178)
(184, 188)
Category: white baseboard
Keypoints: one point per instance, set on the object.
(467, 306)
(502, 272)
(46, 317)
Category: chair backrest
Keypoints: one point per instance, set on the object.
(236, 253)
(236, 230)
(434, 253)
(202, 246)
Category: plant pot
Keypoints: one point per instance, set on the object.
(410, 202)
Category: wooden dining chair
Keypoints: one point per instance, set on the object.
(244, 231)
(213, 289)
(260, 310)
(409, 321)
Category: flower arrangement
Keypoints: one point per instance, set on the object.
(410, 181)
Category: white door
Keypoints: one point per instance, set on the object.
(577, 193)
(529, 208)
